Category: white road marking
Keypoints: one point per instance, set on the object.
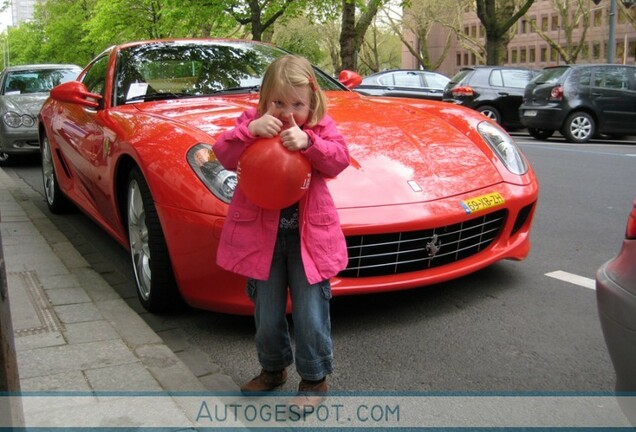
(573, 279)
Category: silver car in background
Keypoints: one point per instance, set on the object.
(23, 90)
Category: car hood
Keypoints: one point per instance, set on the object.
(23, 103)
(399, 154)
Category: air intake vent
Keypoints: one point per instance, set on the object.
(394, 253)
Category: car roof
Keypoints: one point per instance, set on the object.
(403, 70)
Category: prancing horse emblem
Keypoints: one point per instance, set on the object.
(433, 246)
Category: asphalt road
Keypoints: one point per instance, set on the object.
(511, 327)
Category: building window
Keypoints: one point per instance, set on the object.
(482, 31)
(514, 56)
(523, 55)
(554, 54)
(466, 30)
(473, 30)
(466, 59)
(597, 20)
(544, 54)
(555, 22)
(532, 55)
(596, 50)
(544, 23)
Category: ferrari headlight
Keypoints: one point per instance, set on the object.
(504, 147)
(15, 120)
(218, 180)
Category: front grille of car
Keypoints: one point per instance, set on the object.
(402, 252)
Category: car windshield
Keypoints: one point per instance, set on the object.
(36, 80)
(167, 70)
(549, 76)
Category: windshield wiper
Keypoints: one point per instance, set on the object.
(239, 89)
(158, 96)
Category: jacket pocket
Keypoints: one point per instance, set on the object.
(243, 225)
(324, 231)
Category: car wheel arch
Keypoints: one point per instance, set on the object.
(492, 108)
(157, 290)
(578, 111)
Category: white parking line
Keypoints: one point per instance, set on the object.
(573, 279)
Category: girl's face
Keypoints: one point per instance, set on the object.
(295, 102)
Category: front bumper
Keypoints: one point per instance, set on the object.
(19, 140)
(192, 239)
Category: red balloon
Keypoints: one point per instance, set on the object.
(271, 176)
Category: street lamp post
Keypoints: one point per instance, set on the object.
(612, 32)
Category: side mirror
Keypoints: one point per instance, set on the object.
(349, 78)
(75, 92)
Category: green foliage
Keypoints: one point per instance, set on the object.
(301, 37)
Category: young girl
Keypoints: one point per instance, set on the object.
(297, 248)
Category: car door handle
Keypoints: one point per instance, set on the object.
(504, 94)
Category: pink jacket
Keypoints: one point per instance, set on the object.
(249, 233)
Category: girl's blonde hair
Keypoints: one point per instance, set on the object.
(287, 72)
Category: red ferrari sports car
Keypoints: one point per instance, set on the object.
(434, 191)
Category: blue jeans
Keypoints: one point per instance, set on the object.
(310, 314)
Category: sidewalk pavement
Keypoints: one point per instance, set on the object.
(74, 333)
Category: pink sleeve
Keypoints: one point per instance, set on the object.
(231, 144)
(328, 152)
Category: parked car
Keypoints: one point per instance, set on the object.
(616, 300)
(23, 90)
(581, 101)
(404, 83)
(494, 91)
(434, 192)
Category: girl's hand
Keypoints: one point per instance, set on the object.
(294, 138)
(266, 126)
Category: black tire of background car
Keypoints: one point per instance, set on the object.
(573, 122)
(540, 134)
(163, 294)
(491, 112)
(57, 202)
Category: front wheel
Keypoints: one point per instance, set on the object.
(57, 202)
(540, 134)
(156, 285)
(579, 127)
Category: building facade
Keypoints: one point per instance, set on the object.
(22, 10)
(528, 49)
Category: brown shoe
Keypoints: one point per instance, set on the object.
(265, 381)
(310, 395)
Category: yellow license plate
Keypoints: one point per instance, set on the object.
(482, 202)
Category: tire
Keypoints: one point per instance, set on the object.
(579, 127)
(4, 158)
(57, 202)
(156, 285)
(490, 112)
(540, 134)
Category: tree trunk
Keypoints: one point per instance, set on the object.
(347, 36)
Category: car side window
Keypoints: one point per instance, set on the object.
(407, 79)
(95, 78)
(496, 79)
(611, 77)
(386, 80)
(585, 78)
(435, 81)
(515, 78)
